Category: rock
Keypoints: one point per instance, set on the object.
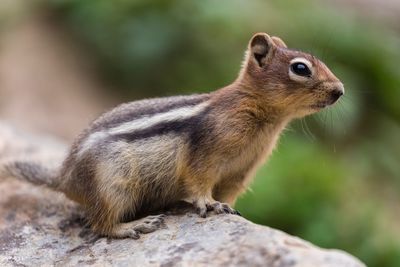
(39, 227)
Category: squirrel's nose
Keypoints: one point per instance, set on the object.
(337, 92)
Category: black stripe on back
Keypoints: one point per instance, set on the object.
(192, 126)
(137, 109)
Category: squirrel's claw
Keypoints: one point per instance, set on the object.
(220, 208)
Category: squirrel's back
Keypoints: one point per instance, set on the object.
(202, 149)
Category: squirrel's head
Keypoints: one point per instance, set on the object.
(292, 81)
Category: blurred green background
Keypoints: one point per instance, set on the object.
(335, 178)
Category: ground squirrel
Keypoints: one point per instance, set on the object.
(146, 155)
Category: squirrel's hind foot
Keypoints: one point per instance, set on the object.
(150, 224)
(135, 228)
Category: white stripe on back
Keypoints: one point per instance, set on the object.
(154, 119)
(142, 123)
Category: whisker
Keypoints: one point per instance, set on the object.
(331, 114)
(308, 130)
(302, 127)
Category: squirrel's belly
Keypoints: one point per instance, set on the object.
(145, 168)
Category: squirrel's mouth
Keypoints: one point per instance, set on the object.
(323, 104)
(320, 105)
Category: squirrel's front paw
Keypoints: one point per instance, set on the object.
(203, 206)
(220, 208)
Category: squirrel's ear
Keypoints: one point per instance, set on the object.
(260, 46)
(278, 42)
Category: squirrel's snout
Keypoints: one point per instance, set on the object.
(337, 93)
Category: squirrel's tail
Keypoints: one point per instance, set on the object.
(32, 172)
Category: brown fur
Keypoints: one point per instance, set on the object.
(206, 154)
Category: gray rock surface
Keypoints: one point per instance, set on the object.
(39, 227)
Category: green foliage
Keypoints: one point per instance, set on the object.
(307, 191)
(337, 186)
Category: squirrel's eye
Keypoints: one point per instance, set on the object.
(300, 69)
